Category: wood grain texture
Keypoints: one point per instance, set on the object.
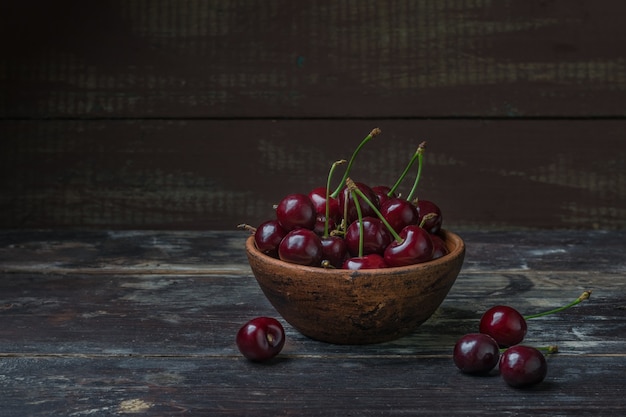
(209, 174)
(314, 59)
(109, 323)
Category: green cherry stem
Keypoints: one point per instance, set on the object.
(354, 189)
(584, 296)
(414, 158)
(360, 217)
(330, 175)
(420, 163)
(369, 137)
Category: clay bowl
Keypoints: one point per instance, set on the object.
(357, 307)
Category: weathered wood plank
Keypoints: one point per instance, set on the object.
(320, 59)
(311, 387)
(208, 175)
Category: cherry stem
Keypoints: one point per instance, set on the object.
(426, 218)
(546, 349)
(584, 296)
(414, 158)
(247, 227)
(371, 135)
(360, 217)
(330, 175)
(353, 188)
(420, 163)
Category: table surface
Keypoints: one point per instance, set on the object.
(105, 323)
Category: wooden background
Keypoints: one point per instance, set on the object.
(202, 114)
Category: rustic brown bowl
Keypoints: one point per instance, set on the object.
(357, 307)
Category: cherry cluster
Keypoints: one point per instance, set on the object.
(501, 330)
(356, 226)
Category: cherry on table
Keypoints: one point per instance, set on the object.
(505, 324)
(522, 366)
(260, 339)
(476, 353)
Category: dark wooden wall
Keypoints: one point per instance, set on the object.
(202, 114)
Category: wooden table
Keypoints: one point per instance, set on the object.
(105, 323)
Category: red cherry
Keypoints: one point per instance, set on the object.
(399, 213)
(382, 192)
(476, 353)
(376, 237)
(296, 210)
(416, 247)
(261, 339)
(318, 198)
(268, 236)
(371, 261)
(345, 198)
(334, 250)
(523, 366)
(432, 225)
(440, 248)
(505, 324)
(301, 246)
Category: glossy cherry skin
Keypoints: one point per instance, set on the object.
(301, 246)
(320, 225)
(345, 198)
(371, 261)
(261, 339)
(376, 236)
(476, 353)
(523, 366)
(432, 225)
(334, 250)
(505, 324)
(440, 249)
(296, 210)
(318, 198)
(399, 213)
(268, 236)
(382, 192)
(416, 247)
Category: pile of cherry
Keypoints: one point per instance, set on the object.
(501, 330)
(355, 226)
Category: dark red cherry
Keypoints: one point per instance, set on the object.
(268, 236)
(382, 192)
(505, 324)
(296, 210)
(416, 247)
(523, 366)
(261, 339)
(318, 198)
(399, 213)
(301, 246)
(476, 353)
(371, 261)
(345, 198)
(320, 225)
(376, 237)
(440, 248)
(432, 225)
(334, 250)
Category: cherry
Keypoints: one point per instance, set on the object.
(522, 366)
(376, 237)
(334, 251)
(505, 324)
(383, 193)
(349, 208)
(268, 236)
(415, 247)
(296, 210)
(476, 353)
(318, 198)
(322, 225)
(440, 248)
(301, 246)
(371, 261)
(261, 339)
(399, 213)
(433, 223)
